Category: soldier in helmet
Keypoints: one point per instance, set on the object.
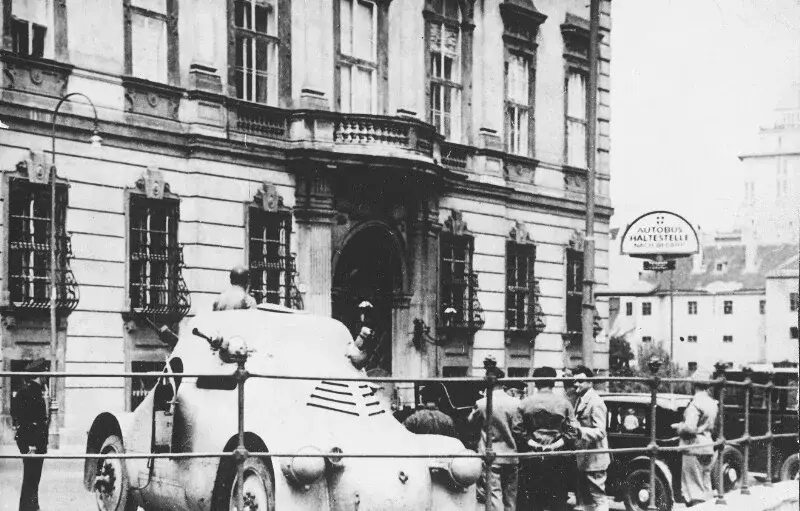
(30, 417)
(237, 296)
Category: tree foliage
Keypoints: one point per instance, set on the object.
(621, 355)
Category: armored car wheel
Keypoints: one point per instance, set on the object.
(636, 493)
(111, 486)
(258, 487)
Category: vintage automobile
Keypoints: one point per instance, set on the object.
(185, 414)
(628, 476)
(785, 458)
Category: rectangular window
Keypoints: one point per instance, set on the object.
(271, 263)
(727, 306)
(149, 39)
(574, 290)
(727, 338)
(692, 308)
(256, 51)
(29, 227)
(576, 119)
(518, 104)
(155, 256)
(647, 308)
(692, 367)
(692, 338)
(793, 332)
(520, 287)
(629, 309)
(646, 338)
(762, 306)
(444, 54)
(793, 301)
(358, 58)
(459, 284)
(29, 23)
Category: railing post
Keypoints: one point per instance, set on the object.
(241, 453)
(489, 456)
(746, 476)
(770, 384)
(721, 440)
(654, 365)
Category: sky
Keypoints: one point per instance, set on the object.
(691, 82)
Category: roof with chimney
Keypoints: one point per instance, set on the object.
(725, 269)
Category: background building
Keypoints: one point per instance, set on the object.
(419, 154)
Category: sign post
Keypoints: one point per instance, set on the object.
(661, 237)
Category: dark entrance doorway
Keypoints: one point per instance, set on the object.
(369, 269)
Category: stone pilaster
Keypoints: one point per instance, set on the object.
(314, 216)
(406, 361)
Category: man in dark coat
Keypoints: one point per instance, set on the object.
(546, 422)
(590, 413)
(429, 420)
(236, 297)
(30, 418)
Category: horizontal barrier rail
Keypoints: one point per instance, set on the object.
(490, 382)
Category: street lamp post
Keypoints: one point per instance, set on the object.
(96, 142)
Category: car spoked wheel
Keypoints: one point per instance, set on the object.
(637, 491)
(732, 470)
(790, 469)
(257, 487)
(111, 480)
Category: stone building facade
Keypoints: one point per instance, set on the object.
(424, 155)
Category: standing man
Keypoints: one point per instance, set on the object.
(236, 297)
(30, 418)
(505, 426)
(547, 420)
(699, 420)
(590, 412)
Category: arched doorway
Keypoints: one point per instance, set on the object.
(369, 268)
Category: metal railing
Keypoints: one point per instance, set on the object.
(491, 381)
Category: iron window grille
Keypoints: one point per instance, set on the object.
(574, 291)
(272, 266)
(29, 232)
(141, 385)
(156, 286)
(459, 284)
(523, 311)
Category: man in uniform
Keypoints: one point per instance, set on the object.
(699, 420)
(236, 297)
(590, 412)
(547, 420)
(505, 427)
(30, 419)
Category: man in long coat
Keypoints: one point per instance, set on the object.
(590, 412)
(30, 418)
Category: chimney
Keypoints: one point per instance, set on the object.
(750, 250)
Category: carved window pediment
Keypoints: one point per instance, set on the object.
(521, 22)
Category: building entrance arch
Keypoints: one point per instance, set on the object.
(369, 267)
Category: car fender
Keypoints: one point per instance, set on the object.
(105, 424)
(661, 466)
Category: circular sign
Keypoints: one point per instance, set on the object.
(660, 233)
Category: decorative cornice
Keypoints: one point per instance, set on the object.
(519, 234)
(456, 225)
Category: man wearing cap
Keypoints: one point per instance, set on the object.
(546, 421)
(429, 420)
(505, 427)
(590, 413)
(699, 419)
(30, 418)
(236, 297)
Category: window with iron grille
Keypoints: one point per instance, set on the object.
(142, 385)
(520, 287)
(29, 218)
(459, 284)
(156, 285)
(257, 44)
(270, 260)
(574, 290)
(444, 41)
